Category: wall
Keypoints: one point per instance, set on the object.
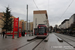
(1, 21)
(31, 25)
(71, 20)
(39, 19)
(65, 25)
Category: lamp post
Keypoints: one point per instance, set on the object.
(29, 27)
(27, 21)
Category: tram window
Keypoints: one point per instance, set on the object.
(42, 30)
(45, 29)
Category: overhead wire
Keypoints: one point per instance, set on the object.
(48, 10)
(35, 4)
(48, 5)
(38, 9)
(67, 8)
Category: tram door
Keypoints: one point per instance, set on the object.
(35, 31)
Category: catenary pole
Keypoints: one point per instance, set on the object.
(27, 21)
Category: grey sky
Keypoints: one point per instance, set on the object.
(55, 9)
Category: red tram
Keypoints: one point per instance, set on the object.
(42, 30)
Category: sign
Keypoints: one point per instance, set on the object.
(15, 27)
(41, 27)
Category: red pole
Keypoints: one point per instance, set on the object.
(18, 28)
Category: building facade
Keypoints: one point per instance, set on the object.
(1, 20)
(64, 24)
(40, 17)
(68, 22)
(72, 20)
(31, 26)
(23, 23)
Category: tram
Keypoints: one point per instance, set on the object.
(42, 30)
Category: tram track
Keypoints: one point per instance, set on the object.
(63, 38)
(67, 38)
(33, 44)
(45, 40)
(26, 44)
(37, 44)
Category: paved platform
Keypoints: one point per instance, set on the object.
(9, 43)
(68, 39)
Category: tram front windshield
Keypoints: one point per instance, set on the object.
(41, 30)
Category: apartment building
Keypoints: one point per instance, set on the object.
(72, 20)
(64, 24)
(68, 22)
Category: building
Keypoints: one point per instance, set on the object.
(22, 24)
(2, 22)
(25, 25)
(72, 20)
(31, 26)
(64, 24)
(40, 17)
(68, 22)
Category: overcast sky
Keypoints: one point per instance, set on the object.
(55, 9)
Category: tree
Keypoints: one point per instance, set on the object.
(50, 29)
(7, 20)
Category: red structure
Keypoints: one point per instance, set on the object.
(15, 26)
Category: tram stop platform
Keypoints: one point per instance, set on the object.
(11, 44)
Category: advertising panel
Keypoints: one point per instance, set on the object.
(15, 24)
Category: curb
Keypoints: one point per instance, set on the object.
(59, 39)
(46, 39)
(31, 39)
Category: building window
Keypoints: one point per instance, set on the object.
(46, 16)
